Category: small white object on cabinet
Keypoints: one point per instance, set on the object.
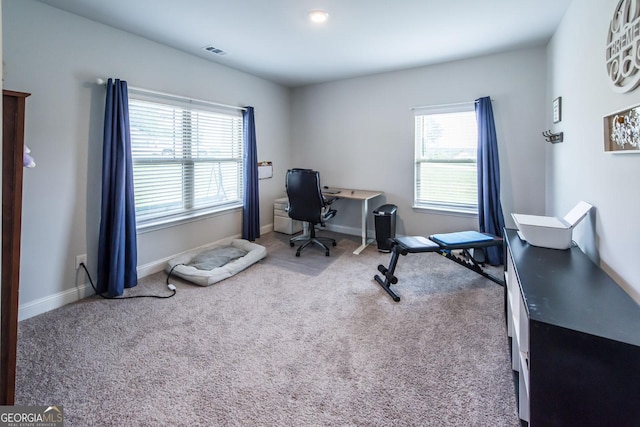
(550, 232)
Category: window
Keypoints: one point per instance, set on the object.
(187, 158)
(445, 158)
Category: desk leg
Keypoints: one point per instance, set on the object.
(365, 209)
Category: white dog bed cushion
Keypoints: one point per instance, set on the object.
(209, 266)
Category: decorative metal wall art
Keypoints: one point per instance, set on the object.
(623, 47)
(622, 131)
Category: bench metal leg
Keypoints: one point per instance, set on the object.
(389, 278)
(472, 264)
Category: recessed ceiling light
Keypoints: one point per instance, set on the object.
(318, 16)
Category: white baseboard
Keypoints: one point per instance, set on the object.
(51, 302)
(353, 231)
(54, 301)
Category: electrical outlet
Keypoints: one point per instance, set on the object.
(81, 259)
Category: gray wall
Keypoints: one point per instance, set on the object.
(359, 133)
(579, 169)
(57, 56)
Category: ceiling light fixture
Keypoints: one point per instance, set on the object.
(318, 16)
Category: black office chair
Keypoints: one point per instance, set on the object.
(306, 203)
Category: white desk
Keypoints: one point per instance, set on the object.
(364, 196)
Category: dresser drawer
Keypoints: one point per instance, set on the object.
(286, 225)
(281, 204)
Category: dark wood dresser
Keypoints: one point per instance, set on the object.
(13, 112)
(575, 339)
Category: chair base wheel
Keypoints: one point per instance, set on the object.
(311, 240)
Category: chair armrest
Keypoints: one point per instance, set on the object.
(329, 200)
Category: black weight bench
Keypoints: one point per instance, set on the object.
(443, 244)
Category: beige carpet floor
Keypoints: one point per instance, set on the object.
(280, 345)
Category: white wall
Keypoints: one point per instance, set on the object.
(578, 168)
(57, 56)
(359, 133)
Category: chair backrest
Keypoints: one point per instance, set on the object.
(305, 196)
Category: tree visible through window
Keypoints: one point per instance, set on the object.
(445, 158)
(186, 160)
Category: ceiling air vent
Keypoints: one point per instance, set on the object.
(214, 50)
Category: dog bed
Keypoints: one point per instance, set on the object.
(209, 266)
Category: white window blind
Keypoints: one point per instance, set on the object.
(187, 160)
(446, 144)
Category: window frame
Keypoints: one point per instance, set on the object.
(188, 213)
(434, 206)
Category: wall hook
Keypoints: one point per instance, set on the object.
(553, 137)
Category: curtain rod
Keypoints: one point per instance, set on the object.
(103, 82)
(445, 105)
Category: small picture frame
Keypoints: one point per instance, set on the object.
(557, 109)
(265, 170)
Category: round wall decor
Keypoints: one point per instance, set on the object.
(623, 46)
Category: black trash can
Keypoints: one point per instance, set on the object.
(385, 219)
